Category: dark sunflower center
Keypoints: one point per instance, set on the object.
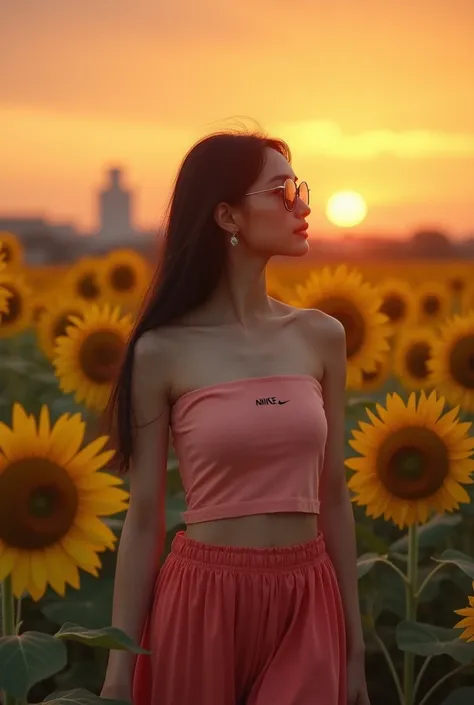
(15, 305)
(100, 356)
(413, 463)
(5, 254)
(62, 322)
(88, 287)
(350, 317)
(394, 306)
(38, 503)
(457, 284)
(431, 304)
(123, 278)
(416, 360)
(461, 362)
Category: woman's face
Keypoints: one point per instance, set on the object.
(265, 225)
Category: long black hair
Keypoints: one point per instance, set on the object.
(219, 168)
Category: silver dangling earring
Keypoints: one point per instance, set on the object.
(234, 240)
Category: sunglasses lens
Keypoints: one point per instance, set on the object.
(290, 194)
(304, 192)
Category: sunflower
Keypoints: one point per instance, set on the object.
(54, 321)
(4, 293)
(18, 316)
(414, 460)
(82, 280)
(452, 361)
(51, 498)
(355, 303)
(398, 301)
(11, 249)
(468, 622)
(434, 302)
(124, 276)
(413, 349)
(87, 358)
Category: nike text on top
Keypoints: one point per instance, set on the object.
(269, 400)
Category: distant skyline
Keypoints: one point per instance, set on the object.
(372, 95)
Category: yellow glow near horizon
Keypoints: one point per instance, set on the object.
(346, 209)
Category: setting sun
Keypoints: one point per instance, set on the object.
(346, 209)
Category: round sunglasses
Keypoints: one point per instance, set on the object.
(291, 193)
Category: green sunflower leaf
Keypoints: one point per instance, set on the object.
(28, 659)
(105, 637)
(428, 640)
(80, 696)
(459, 559)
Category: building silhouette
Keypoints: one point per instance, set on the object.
(115, 209)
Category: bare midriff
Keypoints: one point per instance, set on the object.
(257, 531)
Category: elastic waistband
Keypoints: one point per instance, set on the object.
(273, 558)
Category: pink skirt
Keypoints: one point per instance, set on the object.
(244, 626)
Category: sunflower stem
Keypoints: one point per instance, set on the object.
(410, 611)
(18, 616)
(421, 674)
(396, 569)
(391, 665)
(8, 623)
(448, 675)
(8, 610)
(427, 579)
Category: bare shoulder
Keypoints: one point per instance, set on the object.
(152, 352)
(152, 343)
(325, 330)
(152, 359)
(328, 339)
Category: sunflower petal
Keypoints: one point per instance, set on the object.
(55, 559)
(21, 574)
(456, 490)
(38, 571)
(9, 557)
(89, 451)
(95, 530)
(66, 438)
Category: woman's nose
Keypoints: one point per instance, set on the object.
(303, 208)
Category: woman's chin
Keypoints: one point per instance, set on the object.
(299, 248)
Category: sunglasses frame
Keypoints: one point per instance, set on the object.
(283, 186)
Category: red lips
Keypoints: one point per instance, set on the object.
(302, 229)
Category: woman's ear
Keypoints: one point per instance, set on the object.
(224, 217)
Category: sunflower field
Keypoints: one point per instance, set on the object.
(409, 455)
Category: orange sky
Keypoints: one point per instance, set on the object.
(372, 95)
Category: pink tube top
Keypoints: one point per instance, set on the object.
(250, 446)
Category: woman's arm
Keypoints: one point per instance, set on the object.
(142, 538)
(336, 520)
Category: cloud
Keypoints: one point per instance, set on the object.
(326, 138)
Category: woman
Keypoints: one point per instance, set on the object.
(252, 606)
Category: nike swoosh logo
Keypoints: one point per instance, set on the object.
(284, 402)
